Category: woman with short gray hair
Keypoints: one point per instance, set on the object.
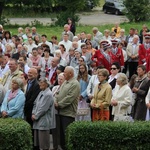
(62, 61)
(43, 115)
(14, 100)
(122, 97)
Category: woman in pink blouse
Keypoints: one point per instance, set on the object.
(35, 58)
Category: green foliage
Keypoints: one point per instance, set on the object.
(137, 10)
(72, 5)
(36, 23)
(4, 20)
(108, 135)
(15, 134)
(70, 9)
(63, 16)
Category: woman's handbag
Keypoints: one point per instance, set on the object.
(122, 117)
(126, 118)
(83, 109)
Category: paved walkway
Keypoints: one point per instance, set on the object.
(95, 17)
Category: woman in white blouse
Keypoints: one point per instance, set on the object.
(147, 101)
(55, 132)
(45, 63)
(122, 97)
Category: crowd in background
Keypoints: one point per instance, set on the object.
(44, 81)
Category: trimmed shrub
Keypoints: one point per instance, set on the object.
(15, 134)
(108, 135)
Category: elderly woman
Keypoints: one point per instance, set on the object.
(122, 96)
(115, 68)
(43, 116)
(14, 100)
(140, 89)
(62, 61)
(102, 97)
(2, 94)
(147, 101)
(56, 131)
(9, 49)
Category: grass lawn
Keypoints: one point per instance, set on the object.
(52, 30)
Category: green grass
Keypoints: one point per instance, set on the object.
(53, 30)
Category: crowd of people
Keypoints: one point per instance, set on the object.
(44, 81)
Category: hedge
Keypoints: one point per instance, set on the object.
(15, 134)
(108, 135)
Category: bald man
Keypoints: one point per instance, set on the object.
(66, 30)
(97, 35)
(31, 93)
(66, 102)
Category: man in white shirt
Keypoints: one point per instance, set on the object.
(4, 67)
(23, 59)
(34, 32)
(30, 45)
(44, 41)
(66, 42)
(97, 35)
(66, 30)
(133, 55)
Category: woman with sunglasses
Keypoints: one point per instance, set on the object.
(115, 68)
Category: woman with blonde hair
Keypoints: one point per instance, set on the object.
(14, 100)
(122, 97)
(102, 97)
(62, 61)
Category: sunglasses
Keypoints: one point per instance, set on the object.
(113, 68)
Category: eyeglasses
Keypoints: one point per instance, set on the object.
(113, 68)
(82, 68)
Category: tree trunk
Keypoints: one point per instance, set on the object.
(2, 3)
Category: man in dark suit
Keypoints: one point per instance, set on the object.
(31, 93)
(19, 49)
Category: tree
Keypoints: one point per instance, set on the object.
(137, 10)
(2, 4)
(69, 10)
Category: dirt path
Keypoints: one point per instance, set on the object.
(95, 17)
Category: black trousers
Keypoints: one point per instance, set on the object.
(65, 121)
(56, 133)
(125, 67)
(132, 68)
